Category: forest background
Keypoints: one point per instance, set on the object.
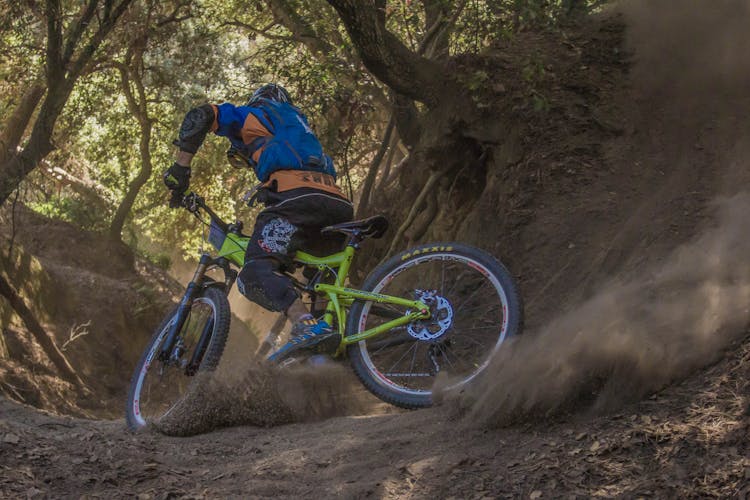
(93, 92)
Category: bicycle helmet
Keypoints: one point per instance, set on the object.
(272, 92)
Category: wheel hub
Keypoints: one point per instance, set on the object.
(440, 320)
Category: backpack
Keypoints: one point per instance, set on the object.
(293, 145)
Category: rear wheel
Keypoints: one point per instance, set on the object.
(474, 305)
(157, 386)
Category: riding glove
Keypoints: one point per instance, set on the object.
(177, 179)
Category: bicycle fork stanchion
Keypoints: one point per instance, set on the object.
(200, 349)
(185, 305)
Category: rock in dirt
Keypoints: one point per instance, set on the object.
(11, 438)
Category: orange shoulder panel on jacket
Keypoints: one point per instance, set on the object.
(252, 129)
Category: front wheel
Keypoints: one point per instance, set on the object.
(474, 304)
(158, 386)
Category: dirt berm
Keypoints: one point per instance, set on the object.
(624, 214)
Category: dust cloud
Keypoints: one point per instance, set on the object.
(262, 395)
(631, 338)
(639, 334)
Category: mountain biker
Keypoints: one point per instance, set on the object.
(298, 189)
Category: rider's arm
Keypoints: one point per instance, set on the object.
(196, 124)
(226, 120)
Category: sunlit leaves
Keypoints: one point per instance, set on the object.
(221, 50)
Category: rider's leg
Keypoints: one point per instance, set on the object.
(273, 334)
(283, 227)
(297, 310)
(261, 278)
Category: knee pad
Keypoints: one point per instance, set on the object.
(259, 283)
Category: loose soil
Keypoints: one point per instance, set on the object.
(632, 377)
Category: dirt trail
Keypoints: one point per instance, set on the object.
(684, 142)
(688, 441)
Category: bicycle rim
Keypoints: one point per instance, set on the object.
(161, 386)
(470, 322)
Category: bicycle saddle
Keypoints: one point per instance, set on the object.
(372, 227)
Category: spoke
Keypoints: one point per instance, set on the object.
(442, 279)
(387, 306)
(458, 358)
(375, 309)
(381, 348)
(453, 287)
(471, 328)
(471, 296)
(474, 308)
(465, 337)
(402, 357)
(445, 355)
(413, 359)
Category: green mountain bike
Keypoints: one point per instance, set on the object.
(436, 309)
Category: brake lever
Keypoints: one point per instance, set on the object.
(191, 201)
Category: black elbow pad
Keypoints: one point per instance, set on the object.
(195, 126)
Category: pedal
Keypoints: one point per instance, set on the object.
(287, 362)
(327, 346)
(320, 360)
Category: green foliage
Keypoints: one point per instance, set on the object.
(71, 209)
(534, 74)
(215, 51)
(477, 80)
(160, 260)
(510, 16)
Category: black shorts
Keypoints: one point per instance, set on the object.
(291, 221)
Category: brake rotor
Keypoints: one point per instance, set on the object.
(440, 320)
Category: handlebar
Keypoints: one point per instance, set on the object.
(193, 203)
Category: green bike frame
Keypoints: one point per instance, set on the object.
(340, 298)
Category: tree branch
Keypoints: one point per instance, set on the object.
(76, 31)
(111, 15)
(42, 337)
(174, 17)
(386, 57)
(300, 28)
(372, 172)
(260, 31)
(55, 68)
(16, 124)
(439, 26)
(304, 32)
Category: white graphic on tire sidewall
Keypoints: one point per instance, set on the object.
(276, 235)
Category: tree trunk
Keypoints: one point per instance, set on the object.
(20, 164)
(42, 337)
(62, 73)
(118, 221)
(139, 108)
(16, 124)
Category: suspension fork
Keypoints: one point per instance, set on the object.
(183, 309)
(200, 348)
